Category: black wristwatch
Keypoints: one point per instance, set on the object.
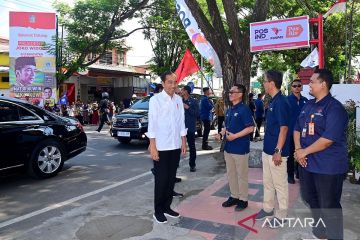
(277, 150)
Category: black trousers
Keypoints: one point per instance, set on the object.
(165, 173)
(190, 137)
(103, 118)
(292, 166)
(323, 194)
(220, 120)
(258, 126)
(206, 124)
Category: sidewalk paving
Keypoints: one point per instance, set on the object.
(127, 214)
(205, 218)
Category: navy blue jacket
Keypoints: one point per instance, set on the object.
(296, 105)
(191, 114)
(206, 107)
(330, 121)
(259, 112)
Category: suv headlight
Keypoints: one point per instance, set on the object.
(144, 120)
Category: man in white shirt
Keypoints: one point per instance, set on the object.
(167, 134)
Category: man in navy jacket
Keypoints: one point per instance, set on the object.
(206, 107)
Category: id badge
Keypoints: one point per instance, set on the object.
(303, 133)
(311, 129)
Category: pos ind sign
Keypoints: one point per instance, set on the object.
(279, 34)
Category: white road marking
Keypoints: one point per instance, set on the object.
(72, 200)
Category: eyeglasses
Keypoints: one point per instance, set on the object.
(297, 86)
(232, 92)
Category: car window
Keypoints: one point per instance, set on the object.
(25, 115)
(141, 104)
(8, 112)
(45, 115)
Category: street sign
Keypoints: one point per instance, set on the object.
(256, 85)
(279, 34)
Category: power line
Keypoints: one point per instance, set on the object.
(29, 6)
(8, 7)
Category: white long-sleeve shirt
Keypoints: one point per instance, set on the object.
(166, 121)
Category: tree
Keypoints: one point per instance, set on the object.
(167, 36)
(336, 32)
(92, 28)
(229, 35)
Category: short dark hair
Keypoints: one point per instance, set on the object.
(47, 88)
(260, 95)
(21, 62)
(296, 80)
(251, 95)
(205, 89)
(241, 87)
(326, 76)
(274, 76)
(187, 88)
(164, 75)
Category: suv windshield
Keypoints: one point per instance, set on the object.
(142, 104)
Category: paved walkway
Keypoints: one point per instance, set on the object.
(205, 216)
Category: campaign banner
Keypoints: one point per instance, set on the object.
(32, 57)
(197, 37)
(280, 34)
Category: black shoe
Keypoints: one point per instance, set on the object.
(230, 202)
(207, 147)
(291, 180)
(171, 213)
(192, 169)
(153, 171)
(98, 130)
(159, 218)
(241, 205)
(177, 180)
(176, 194)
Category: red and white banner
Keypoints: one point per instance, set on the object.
(280, 34)
(338, 7)
(32, 57)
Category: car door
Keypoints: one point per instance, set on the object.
(8, 133)
(15, 121)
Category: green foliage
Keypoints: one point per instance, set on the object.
(353, 140)
(334, 37)
(166, 34)
(92, 27)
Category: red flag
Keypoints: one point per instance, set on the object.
(186, 67)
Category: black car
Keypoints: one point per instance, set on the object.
(132, 123)
(37, 139)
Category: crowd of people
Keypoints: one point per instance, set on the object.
(86, 113)
(302, 138)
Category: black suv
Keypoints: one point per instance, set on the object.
(37, 139)
(132, 123)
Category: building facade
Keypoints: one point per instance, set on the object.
(4, 66)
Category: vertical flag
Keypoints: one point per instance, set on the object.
(311, 60)
(186, 67)
(339, 6)
(197, 37)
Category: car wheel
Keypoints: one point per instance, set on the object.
(46, 160)
(124, 140)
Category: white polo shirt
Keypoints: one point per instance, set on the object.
(166, 121)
